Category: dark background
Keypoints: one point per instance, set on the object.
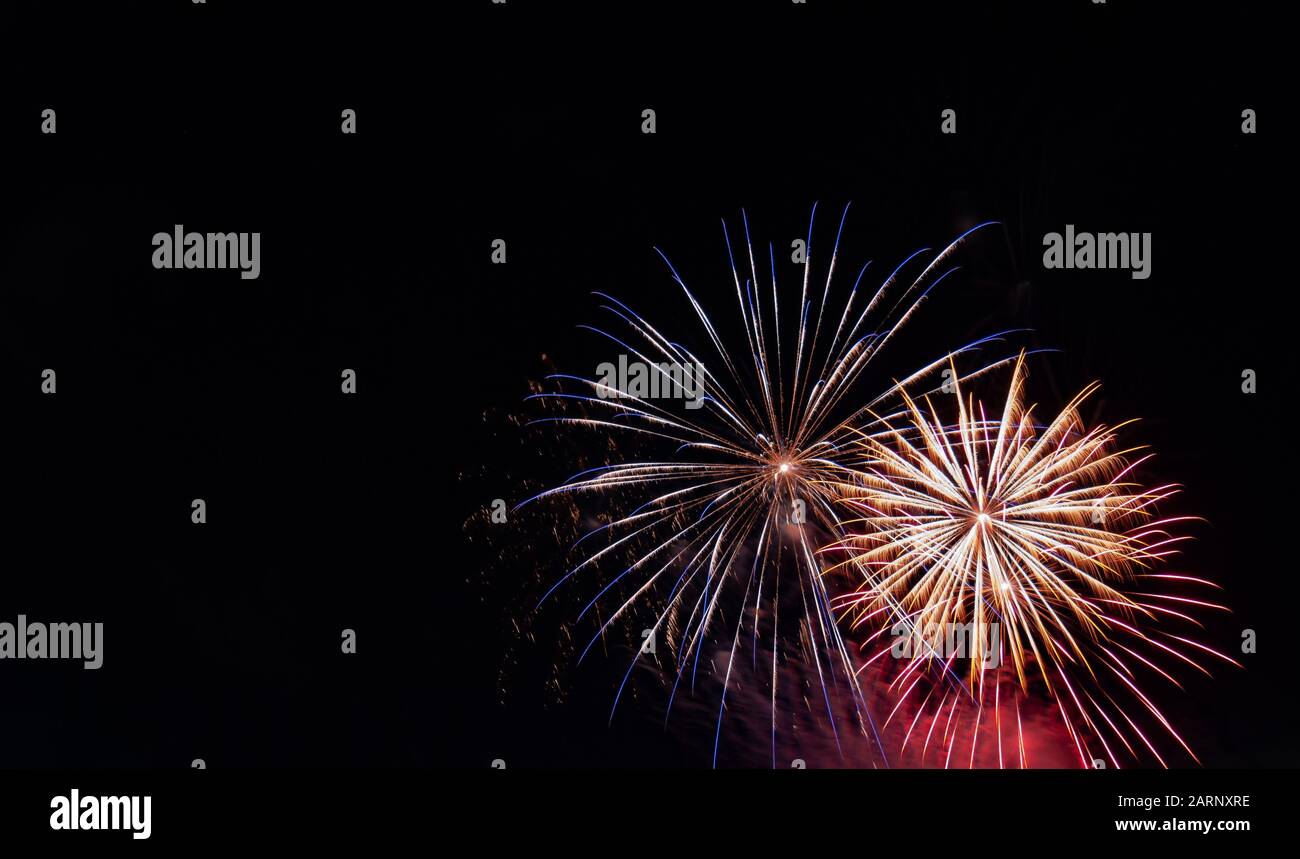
(523, 122)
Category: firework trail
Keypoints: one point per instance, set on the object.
(716, 543)
(1036, 546)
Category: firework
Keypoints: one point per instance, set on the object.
(1036, 545)
(715, 543)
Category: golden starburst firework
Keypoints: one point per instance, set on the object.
(1037, 543)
